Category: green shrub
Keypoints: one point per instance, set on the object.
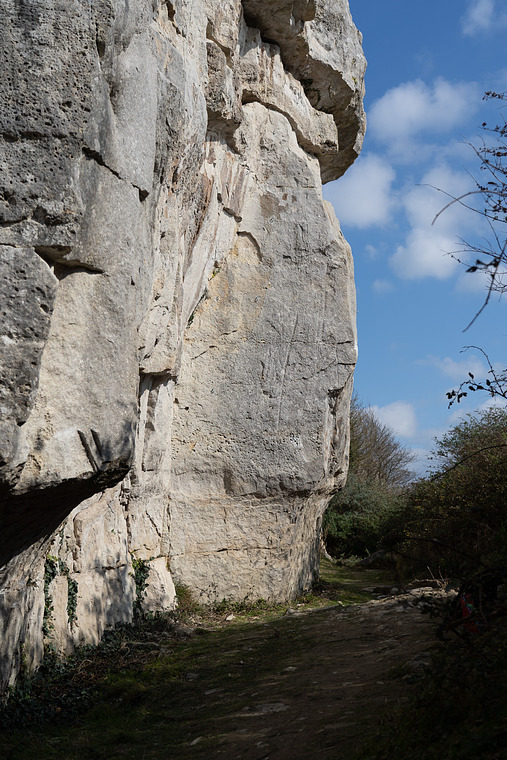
(141, 572)
(458, 516)
(363, 518)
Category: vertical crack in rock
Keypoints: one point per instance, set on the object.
(176, 302)
(284, 370)
(88, 450)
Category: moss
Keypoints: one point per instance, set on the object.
(155, 685)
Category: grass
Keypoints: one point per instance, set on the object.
(151, 691)
(165, 701)
(348, 584)
(338, 585)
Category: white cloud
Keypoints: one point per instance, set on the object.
(421, 462)
(438, 186)
(483, 17)
(473, 282)
(430, 240)
(371, 251)
(383, 286)
(478, 17)
(412, 108)
(457, 371)
(459, 150)
(400, 416)
(363, 197)
(425, 254)
(494, 402)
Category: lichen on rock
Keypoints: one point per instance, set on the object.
(178, 316)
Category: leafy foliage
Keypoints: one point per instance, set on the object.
(50, 573)
(458, 515)
(53, 567)
(362, 518)
(369, 511)
(375, 454)
(459, 708)
(141, 572)
(449, 523)
(456, 522)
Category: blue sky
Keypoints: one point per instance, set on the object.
(429, 65)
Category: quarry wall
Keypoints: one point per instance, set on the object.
(177, 304)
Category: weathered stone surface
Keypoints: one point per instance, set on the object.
(265, 80)
(27, 295)
(320, 45)
(267, 353)
(177, 302)
(160, 593)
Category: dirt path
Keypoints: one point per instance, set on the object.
(309, 686)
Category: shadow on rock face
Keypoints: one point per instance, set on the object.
(34, 514)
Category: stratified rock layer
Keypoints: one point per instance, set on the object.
(177, 305)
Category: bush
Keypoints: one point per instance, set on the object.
(458, 711)
(368, 514)
(363, 518)
(458, 517)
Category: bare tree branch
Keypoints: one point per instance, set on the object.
(493, 192)
(496, 387)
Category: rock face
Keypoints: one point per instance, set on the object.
(176, 304)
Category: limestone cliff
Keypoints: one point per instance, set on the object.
(176, 303)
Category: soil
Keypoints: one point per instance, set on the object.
(331, 675)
